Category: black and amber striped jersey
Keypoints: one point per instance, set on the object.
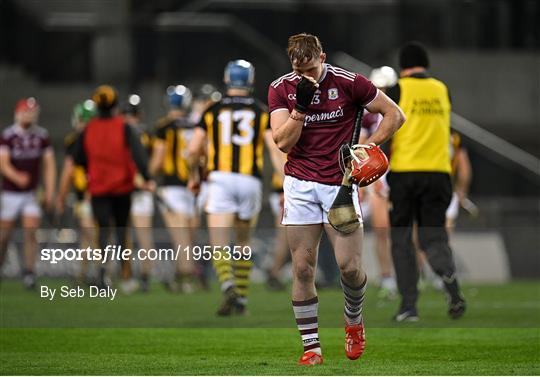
(235, 129)
(144, 136)
(78, 178)
(146, 139)
(176, 134)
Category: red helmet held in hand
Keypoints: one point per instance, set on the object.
(368, 163)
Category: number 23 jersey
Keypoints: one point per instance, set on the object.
(235, 129)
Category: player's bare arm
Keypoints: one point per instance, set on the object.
(286, 126)
(393, 118)
(277, 157)
(20, 178)
(49, 177)
(463, 174)
(158, 154)
(196, 149)
(64, 185)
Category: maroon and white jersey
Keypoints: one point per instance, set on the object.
(329, 121)
(25, 148)
(370, 123)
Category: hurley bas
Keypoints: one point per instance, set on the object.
(78, 292)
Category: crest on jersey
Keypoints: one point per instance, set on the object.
(332, 93)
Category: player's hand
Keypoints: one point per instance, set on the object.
(360, 150)
(305, 90)
(367, 146)
(149, 185)
(21, 179)
(194, 186)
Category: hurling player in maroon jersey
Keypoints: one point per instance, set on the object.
(313, 111)
(25, 151)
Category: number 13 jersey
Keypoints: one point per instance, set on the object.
(235, 129)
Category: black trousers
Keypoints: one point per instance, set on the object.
(420, 197)
(112, 212)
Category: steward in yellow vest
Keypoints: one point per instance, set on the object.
(419, 180)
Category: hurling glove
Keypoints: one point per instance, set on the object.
(305, 90)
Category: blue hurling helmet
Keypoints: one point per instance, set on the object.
(239, 74)
(178, 97)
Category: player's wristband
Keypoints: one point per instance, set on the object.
(301, 109)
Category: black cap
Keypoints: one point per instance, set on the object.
(413, 54)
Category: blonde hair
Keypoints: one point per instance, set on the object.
(303, 47)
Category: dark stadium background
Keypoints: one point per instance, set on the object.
(488, 52)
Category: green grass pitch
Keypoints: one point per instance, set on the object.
(165, 334)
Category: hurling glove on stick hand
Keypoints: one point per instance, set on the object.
(305, 90)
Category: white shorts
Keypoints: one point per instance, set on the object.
(202, 198)
(274, 199)
(14, 203)
(142, 203)
(234, 193)
(179, 199)
(453, 209)
(308, 202)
